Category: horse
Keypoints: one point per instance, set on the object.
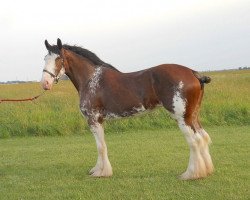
(107, 93)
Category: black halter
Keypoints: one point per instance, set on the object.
(52, 75)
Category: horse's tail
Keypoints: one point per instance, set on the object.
(203, 79)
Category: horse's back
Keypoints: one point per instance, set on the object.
(172, 72)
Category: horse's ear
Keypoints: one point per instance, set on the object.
(48, 46)
(59, 44)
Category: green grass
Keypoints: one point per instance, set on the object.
(227, 99)
(226, 102)
(146, 165)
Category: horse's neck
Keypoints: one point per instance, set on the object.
(79, 71)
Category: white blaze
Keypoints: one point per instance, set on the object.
(50, 65)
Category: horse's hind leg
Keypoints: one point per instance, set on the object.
(206, 140)
(196, 166)
(185, 111)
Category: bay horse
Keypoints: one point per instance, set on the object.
(106, 93)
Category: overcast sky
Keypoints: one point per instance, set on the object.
(129, 34)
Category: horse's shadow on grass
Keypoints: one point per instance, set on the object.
(83, 174)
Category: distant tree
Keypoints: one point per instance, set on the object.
(243, 68)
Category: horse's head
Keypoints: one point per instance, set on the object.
(54, 65)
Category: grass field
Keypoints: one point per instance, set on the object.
(147, 152)
(146, 165)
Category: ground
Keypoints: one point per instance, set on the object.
(146, 165)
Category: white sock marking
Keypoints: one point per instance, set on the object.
(103, 166)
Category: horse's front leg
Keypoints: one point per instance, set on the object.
(103, 167)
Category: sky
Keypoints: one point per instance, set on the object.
(131, 35)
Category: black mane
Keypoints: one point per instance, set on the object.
(83, 52)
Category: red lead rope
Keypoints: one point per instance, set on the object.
(20, 100)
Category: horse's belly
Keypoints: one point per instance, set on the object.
(126, 112)
(136, 110)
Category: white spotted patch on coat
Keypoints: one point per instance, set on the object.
(179, 103)
(140, 109)
(180, 86)
(112, 116)
(94, 82)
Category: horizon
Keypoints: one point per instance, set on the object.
(37, 81)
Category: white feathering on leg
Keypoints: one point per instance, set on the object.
(103, 167)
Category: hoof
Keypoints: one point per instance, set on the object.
(192, 176)
(97, 172)
(187, 176)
